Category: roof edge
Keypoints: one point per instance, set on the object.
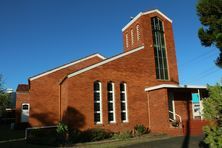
(175, 86)
(105, 61)
(66, 65)
(145, 13)
(22, 88)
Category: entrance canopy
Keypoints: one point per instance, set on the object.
(147, 89)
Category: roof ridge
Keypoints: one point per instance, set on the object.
(66, 65)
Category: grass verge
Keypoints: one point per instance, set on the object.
(123, 143)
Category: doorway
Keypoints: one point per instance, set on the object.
(25, 112)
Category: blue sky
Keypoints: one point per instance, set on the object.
(37, 35)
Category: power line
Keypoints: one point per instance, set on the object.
(205, 74)
(198, 58)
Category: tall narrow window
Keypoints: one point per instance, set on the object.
(97, 102)
(159, 49)
(111, 102)
(138, 32)
(123, 100)
(132, 37)
(127, 41)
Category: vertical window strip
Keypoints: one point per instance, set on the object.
(98, 102)
(123, 100)
(160, 49)
(138, 32)
(111, 103)
(132, 37)
(127, 41)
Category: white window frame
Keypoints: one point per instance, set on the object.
(138, 32)
(113, 102)
(99, 101)
(126, 103)
(158, 39)
(132, 37)
(171, 95)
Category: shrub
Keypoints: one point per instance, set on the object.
(62, 128)
(63, 133)
(212, 108)
(75, 136)
(89, 135)
(140, 130)
(96, 134)
(123, 135)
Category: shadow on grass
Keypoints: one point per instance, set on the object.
(7, 134)
(19, 144)
(13, 138)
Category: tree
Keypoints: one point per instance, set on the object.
(210, 16)
(213, 112)
(4, 97)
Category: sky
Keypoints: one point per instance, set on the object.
(38, 35)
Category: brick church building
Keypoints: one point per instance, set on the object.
(138, 86)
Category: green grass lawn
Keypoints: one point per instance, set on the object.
(122, 143)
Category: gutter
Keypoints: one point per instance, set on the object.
(60, 97)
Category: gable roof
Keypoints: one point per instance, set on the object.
(104, 62)
(145, 13)
(66, 65)
(175, 86)
(22, 87)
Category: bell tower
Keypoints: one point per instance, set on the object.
(153, 30)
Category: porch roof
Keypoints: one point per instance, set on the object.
(175, 86)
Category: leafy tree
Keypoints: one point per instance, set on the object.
(4, 98)
(213, 112)
(210, 15)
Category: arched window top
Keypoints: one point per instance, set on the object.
(110, 86)
(137, 26)
(97, 85)
(157, 24)
(122, 86)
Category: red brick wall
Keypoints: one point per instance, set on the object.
(45, 92)
(21, 97)
(159, 119)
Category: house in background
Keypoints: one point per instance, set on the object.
(12, 97)
(138, 86)
(9, 114)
